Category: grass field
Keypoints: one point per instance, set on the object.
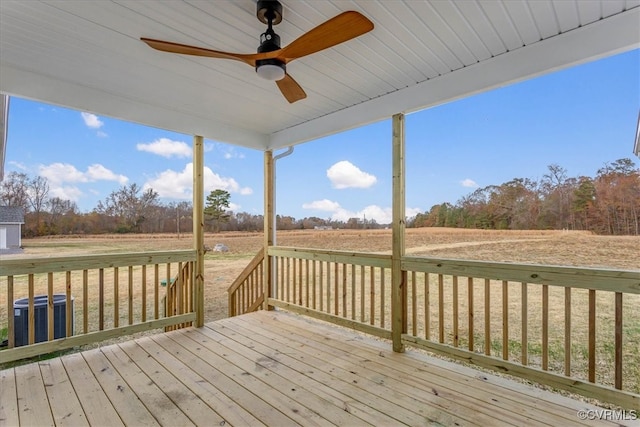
(534, 247)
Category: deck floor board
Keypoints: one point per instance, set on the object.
(275, 369)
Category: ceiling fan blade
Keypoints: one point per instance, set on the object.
(336, 30)
(291, 89)
(184, 49)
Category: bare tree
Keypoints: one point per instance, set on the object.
(13, 190)
(37, 195)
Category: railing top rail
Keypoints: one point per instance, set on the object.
(613, 280)
(18, 266)
(358, 258)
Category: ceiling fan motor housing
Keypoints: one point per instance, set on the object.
(269, 12)
(269, 9)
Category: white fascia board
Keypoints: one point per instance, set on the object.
(4, 126)
(43, 88)
(613, 35)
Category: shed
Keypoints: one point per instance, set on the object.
(11, 220)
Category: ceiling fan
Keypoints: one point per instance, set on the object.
(271, 61)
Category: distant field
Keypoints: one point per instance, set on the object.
(546, 247)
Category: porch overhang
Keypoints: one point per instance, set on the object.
(88, 56)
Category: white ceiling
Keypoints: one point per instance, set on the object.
(87, 55)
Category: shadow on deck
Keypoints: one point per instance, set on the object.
(270, 368)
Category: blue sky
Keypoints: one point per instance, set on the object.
(579, 118)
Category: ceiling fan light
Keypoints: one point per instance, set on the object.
(271, 71)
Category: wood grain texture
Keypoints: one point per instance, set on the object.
(270, 368)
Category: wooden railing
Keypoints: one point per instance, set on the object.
(179, 297)
(350, 289)
(246, 293)
(105, 296)
(576, 329)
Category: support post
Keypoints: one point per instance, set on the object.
(269, 217)
(198, 227)
(398, 277)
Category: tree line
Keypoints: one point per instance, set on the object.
(608, 203)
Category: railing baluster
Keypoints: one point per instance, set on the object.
(143, 280)
(618, 341)
(362, 295)
(101, 299)
(32, 314)
(337, 280)
(328, 287)
(505, 320)
(372, 295)
(344, 290)
(592, 335)
(427, 307)
(414, 304)
(353, 292)
(168, 290)
(300, 296)
(180, 288)
(336, 302)
(382, 297)
(281, 273)
(545, 327)
(455, 311)
(294, 283)
(287, 279)
(130, 294)
(68, 308)
(85, 301)
(320, 290)
(306, 281)
(567, 331)
(11, 321)
(156, 288)
(525, 323)
(50, 325)
(487, 317)
(441, 308)
(116, 297)
(470, 312)
(314, 284)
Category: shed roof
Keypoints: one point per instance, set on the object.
(88, 56)
(11, 215)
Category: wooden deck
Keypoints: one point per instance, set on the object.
(269, 368)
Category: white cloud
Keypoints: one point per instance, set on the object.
(411, 212)
(18, 165)
(91, 120)
(468, 183)
(97, 172)
(57, 173)
(166, 148)
(62, 172)
(379, 214)
(344, 174)
(66, 192)
(322, 205)
(231, 153)
(179, 185)
(234, 207)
